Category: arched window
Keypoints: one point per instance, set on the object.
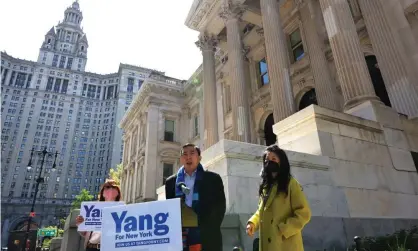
(308, 99)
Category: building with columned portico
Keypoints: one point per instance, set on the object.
(334, 82)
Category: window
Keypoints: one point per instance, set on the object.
(130, 85)
(55, 61)
(169, 130)
(69, 63)
(140, 83)
(167, 171)
(296, 45)
(62, 62)
(49, 83)
(227, 98)
(196, 126)
(264, 75)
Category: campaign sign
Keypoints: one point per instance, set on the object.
(92, 214)
(143, 226)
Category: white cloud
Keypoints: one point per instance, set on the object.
(147, 33)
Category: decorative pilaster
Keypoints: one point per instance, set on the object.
(139, 138)
(135, 177)
(402, 92)
(349, 60)
(151, 146)
(231, 13)
(277, 61)
(325, 89)
(208, 44)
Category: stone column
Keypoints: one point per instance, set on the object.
(128, 190)
(326, 91)
(139, 178)
(414, 24)
(128, 147)
(402, 92)
(277, 61)
(349, 60)
(240, 109)
(139, 138)
(401, 28)
(125, 183)
(131, 146)
(207, 44)
(134, 187)
(151, 150)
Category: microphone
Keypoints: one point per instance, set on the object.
(183, 188)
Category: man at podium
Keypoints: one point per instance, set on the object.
(203, 202)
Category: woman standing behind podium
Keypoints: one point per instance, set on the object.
(283, 210)
(110, 192)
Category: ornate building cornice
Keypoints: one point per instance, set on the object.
(199, 9)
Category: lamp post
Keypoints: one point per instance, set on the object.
(44, 153)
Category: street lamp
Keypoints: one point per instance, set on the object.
(44, 153)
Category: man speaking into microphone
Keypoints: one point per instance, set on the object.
(203, 202)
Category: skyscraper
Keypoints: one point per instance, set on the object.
(53, 103)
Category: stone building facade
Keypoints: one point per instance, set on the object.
(334, 82)
(55, 103)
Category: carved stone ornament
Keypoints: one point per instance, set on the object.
(299, 3)
(246, 50)
(260, 31)
(230, 10)
(301, 83)
(207, 42)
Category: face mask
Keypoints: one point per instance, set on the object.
(271, 167)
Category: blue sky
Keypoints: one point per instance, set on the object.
(147, 33)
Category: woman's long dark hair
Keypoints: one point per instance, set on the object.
(282, 179)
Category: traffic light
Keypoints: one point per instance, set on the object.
(32, 214)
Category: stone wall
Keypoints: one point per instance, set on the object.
(56, 244)
(71, 239)
(370, 157)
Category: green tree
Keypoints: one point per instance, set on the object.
(116, 173)
(46, 242)
(62, 222)
(83, 196)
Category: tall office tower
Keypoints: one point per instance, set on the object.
(54, 104)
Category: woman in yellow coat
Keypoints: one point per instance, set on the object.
(283, 210)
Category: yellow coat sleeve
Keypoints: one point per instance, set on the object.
(300, 209)
(255, 219)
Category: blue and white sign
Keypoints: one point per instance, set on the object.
(144, 226)
(92, 214)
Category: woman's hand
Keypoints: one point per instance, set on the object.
(78, 220)
(250, 229)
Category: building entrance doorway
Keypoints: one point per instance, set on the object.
(269, 136)
(308, 99)
(377, 80)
